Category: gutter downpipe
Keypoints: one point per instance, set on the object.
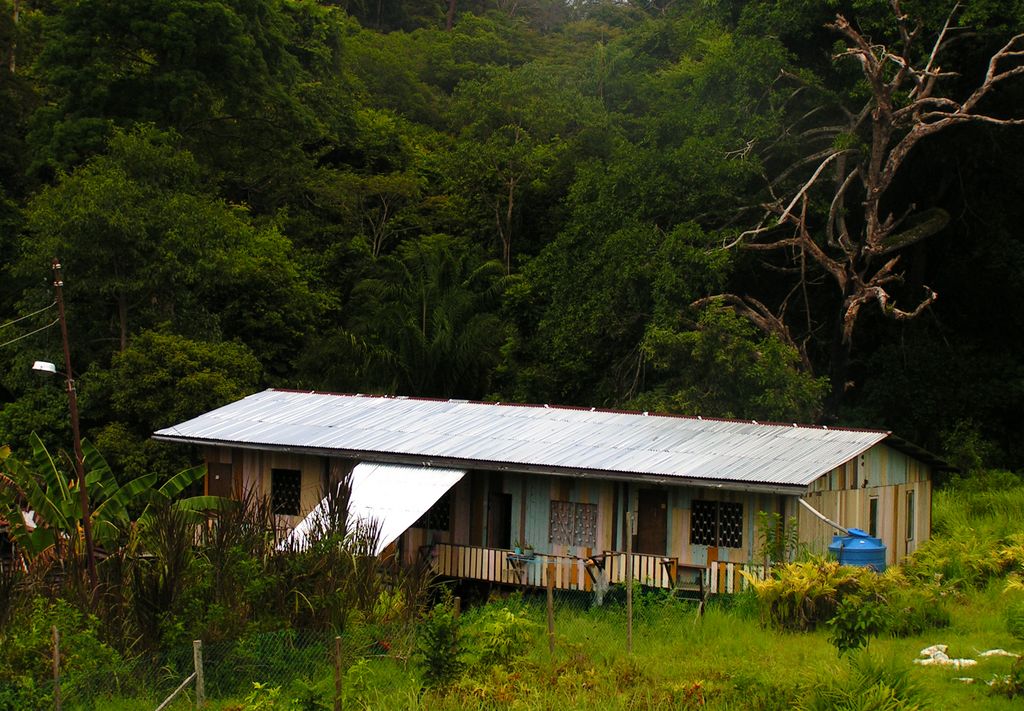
(822, 516)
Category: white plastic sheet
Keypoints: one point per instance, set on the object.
(393, 495)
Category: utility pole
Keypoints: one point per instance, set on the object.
(83, 494)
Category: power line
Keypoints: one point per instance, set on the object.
(26, 335)
(17, 320)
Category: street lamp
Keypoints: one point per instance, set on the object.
(43, 366)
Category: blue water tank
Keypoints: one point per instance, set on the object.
(859, 548)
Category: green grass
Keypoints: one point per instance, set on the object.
(724, 659)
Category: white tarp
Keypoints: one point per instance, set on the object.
(393, 495)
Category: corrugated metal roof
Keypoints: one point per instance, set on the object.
(535, 437)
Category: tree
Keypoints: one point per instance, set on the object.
(159, 380)
(423, 322)
(145, 244)
(40, 484)
(511, 154)
(845, 218)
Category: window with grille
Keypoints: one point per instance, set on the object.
(438, 517)
(285, 491)
(573, 524)
(716, 523)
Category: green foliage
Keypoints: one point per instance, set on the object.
(803, 595)
(44, 485)
(145, 244)
(856, 621)
(778, 539)
(501, 635)
(863, 683)
(856, 603)
(263, 697)
(1011, 685)
(439, 646)
(26, 654)
(1015, 619)
(425, 323)
(725, 368)
(959, 561)
(162, 379)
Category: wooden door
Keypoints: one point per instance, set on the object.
(499, 521)
(652, 521)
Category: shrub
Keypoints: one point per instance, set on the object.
(1015, 619)
(1011, 685)
(503, 634)
(802, 595)
(863, 683)
(857, 603)
(26, 653)
(855, 621)
(964, 561)
(439, 647)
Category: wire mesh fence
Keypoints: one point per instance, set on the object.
(329, 669)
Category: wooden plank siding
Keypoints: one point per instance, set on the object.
(845, 494)
(842, 494)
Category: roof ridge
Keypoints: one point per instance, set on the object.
(581, 408)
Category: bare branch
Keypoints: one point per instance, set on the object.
(834, 218)
(800, 193)
(927, 86)
(814, 157)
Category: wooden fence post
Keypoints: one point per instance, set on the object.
(551, 608)
(457, 607)
(197, 659)
(338, 690)
(629, 582)
(56, 668)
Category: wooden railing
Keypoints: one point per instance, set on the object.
(725, 577)
(500, 565)
(656, 571)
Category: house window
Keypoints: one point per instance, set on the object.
(716, 523)
(285, 491)
(438, 517)
(910, 515)
(573, 524)
(873, 516)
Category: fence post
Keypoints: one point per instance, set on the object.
(551, 608)
(56, 668)
(629, 582)
(197, 659)
(457, 607)
(337, 675)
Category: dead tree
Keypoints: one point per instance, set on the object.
(857, 243)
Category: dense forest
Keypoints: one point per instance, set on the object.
(774, 209)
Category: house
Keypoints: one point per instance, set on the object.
(465, 483)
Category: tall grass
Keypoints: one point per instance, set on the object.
(986, 514)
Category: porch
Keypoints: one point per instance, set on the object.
(506, 567)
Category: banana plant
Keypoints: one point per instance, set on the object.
(41, 485)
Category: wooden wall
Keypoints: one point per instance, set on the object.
(845, 494)
(251, 469)
(532, 495)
